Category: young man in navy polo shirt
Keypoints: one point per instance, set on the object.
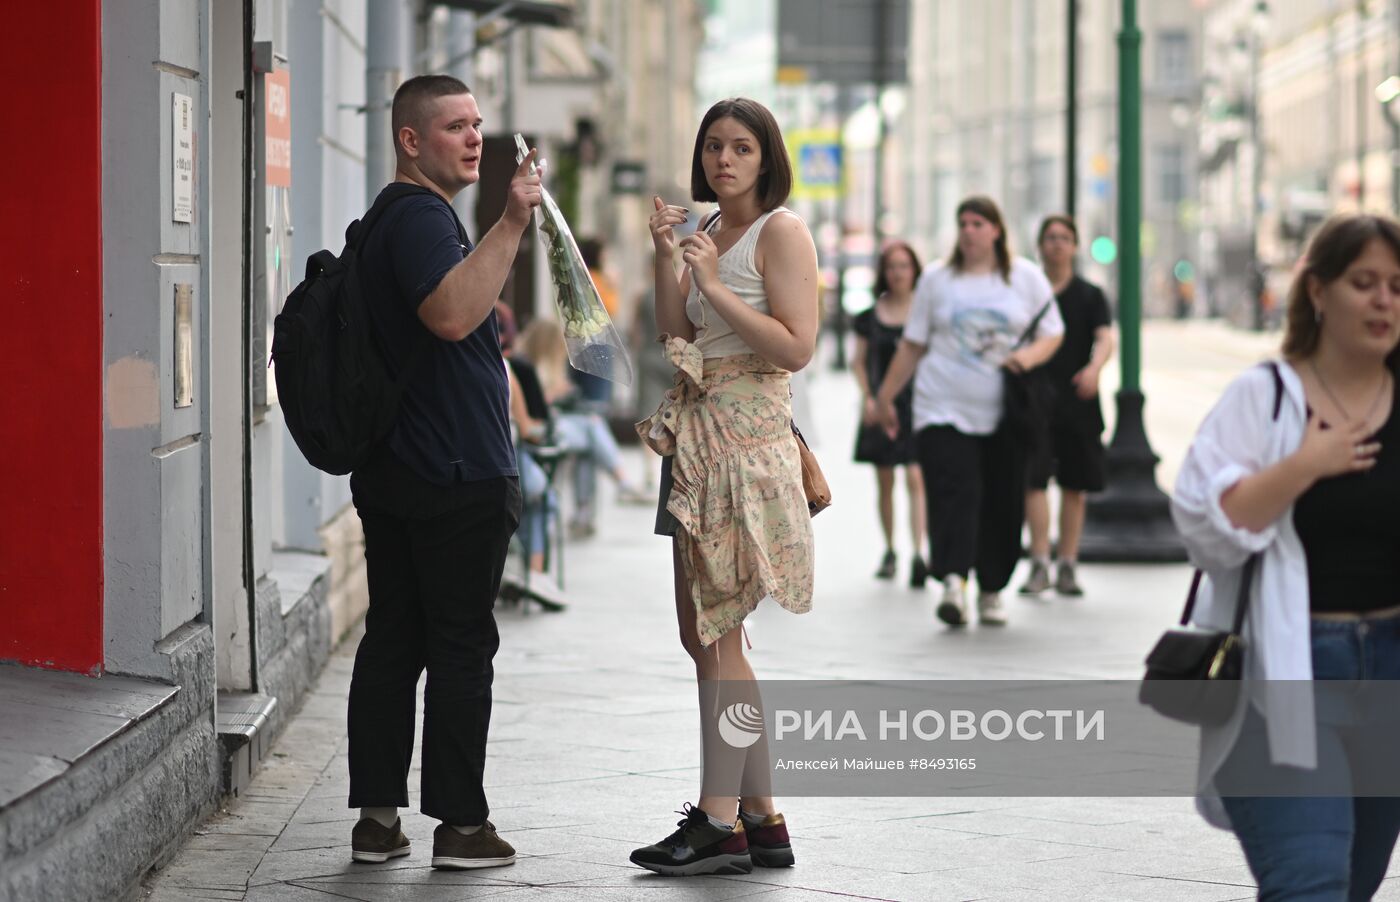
(440, 501)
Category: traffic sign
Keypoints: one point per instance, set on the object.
(817, 164)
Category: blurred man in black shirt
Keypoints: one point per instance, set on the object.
(1071, 448)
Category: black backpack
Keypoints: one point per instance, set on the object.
(335, 390)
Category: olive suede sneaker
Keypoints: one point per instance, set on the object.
(1039, 580)
(769, 845)
(372, 842)
(453, 850)
(698, 847)
(1065, 583)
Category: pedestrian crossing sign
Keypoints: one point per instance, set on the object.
(817, 164)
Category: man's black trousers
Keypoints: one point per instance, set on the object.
(435, 556)
(975, 493)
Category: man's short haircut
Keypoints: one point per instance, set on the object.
(414, 99)
(1060, 219)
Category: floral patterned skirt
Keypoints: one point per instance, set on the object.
(742, 525)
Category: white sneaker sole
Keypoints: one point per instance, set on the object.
(467, 864)
(378, 857)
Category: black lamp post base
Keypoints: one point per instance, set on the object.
(1130, 521)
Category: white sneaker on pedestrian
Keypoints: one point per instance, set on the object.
(952, 610)
(989, 609)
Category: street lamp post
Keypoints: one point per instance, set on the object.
(1071, 106)
(1259, 21)
(1131, 520)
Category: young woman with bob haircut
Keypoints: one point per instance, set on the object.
(739, 319)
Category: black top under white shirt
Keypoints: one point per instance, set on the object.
(1350, 529)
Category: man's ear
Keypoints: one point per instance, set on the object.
(408, 141)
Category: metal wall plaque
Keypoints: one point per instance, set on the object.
(184, 344)
(182, 158)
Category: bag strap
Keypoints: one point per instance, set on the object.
(1241, 601)
(1027, 335)
(1251, 565)
(394, 192)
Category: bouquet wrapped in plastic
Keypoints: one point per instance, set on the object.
(593, 343)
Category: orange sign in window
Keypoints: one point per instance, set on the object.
(277, 117)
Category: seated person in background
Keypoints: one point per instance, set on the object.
(585, 434)
(539, 500)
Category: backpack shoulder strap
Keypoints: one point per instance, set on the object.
(357, 231)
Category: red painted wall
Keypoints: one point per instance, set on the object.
(51, 337)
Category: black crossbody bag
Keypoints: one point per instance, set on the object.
(1025, 408)
(1193, 674)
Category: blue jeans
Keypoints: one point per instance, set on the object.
(1333, 847)
(539, 503)
(588, 436)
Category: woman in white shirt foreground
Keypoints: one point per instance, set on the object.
(965, 326)
(1302, 465)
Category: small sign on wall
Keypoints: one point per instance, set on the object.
(278, 121)
(184, 344)
(182, 158)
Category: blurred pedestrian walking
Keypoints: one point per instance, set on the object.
(878, 331)
(1294, 480)
(975, 318)
(1070, 446)
(740, 319)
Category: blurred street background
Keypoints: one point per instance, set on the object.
(181, 594)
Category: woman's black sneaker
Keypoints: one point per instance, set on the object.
(769, 845)
(918, 573)
(889, 565)
(698, 847)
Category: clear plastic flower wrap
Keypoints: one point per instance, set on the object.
(593, 343)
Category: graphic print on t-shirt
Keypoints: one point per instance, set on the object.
(983, 335)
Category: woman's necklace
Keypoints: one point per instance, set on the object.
(1375, 402)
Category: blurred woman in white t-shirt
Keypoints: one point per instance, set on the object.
(973, 316)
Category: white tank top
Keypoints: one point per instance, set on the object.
(737, 271)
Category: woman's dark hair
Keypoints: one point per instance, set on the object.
(1335, 247)
(986, 208)
(1062, 219)
(882, 284)
(775, 173)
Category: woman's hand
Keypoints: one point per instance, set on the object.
(869, 413)
(888, 419)
(1335, 451)
(1017, 361)
(664, 218)
(700, 254)
(1086, 382)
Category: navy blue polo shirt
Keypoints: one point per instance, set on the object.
(453, 424)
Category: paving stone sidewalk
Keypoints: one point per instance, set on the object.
(594, 743)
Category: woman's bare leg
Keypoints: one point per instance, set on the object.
(724, 678)
(914, 482)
